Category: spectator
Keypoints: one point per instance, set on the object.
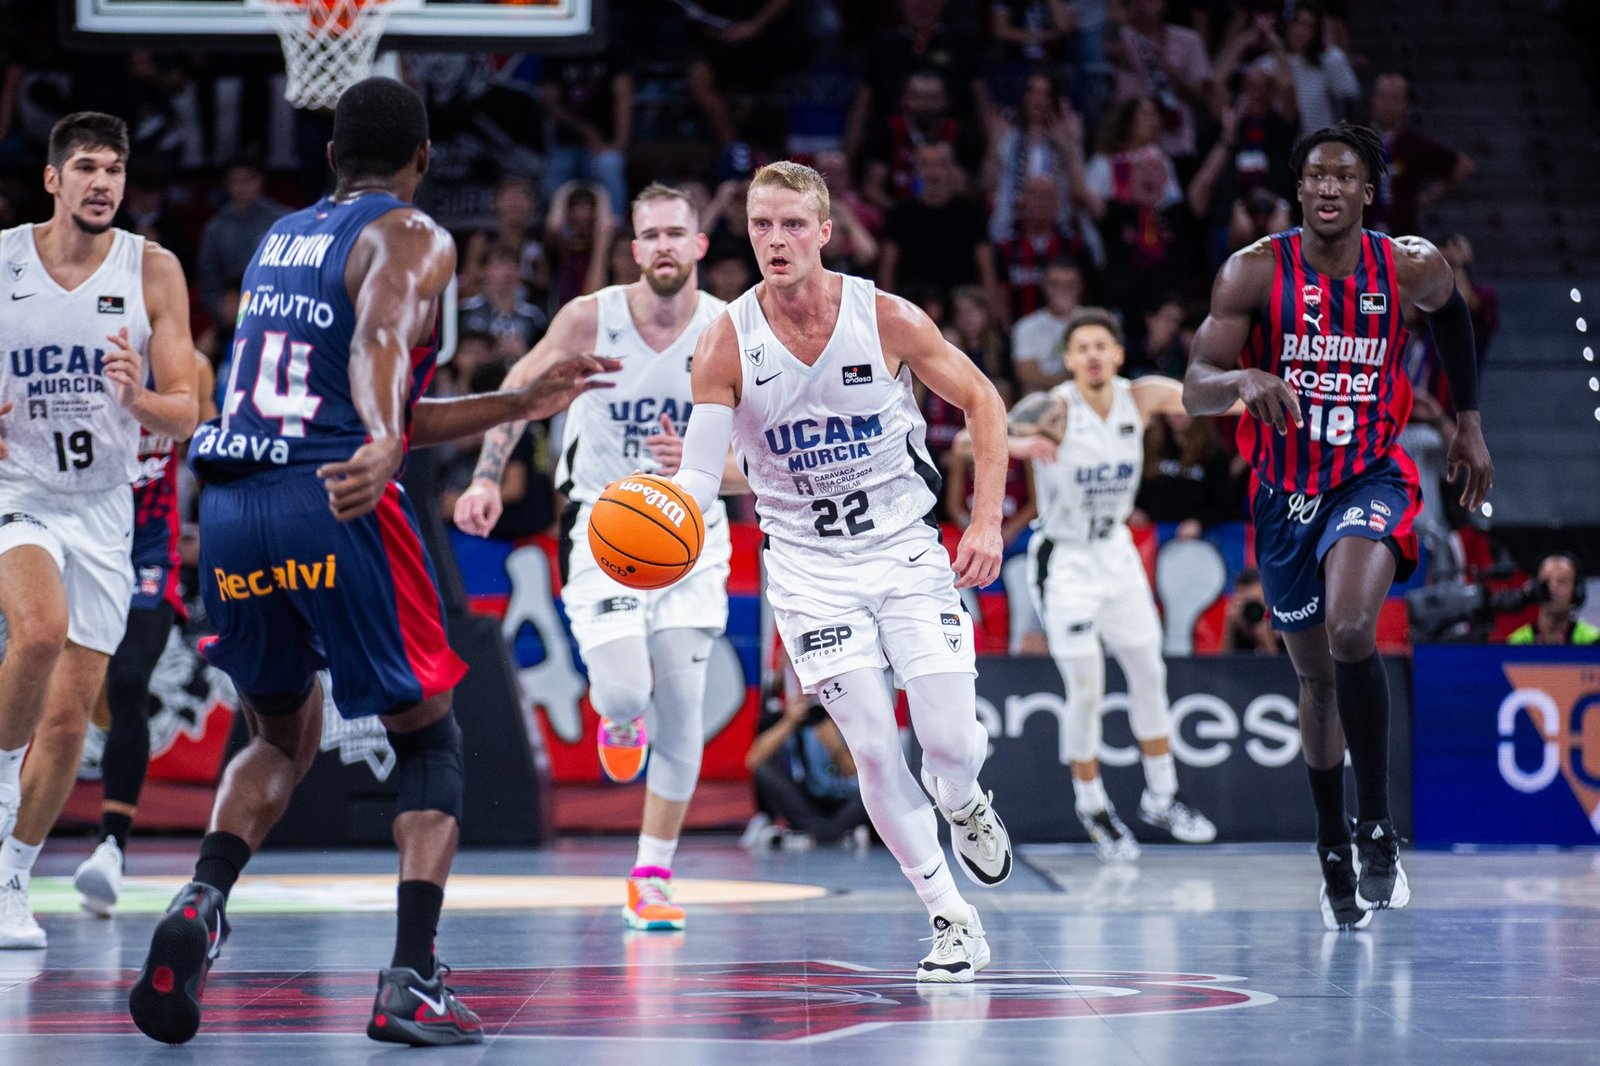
(1257, 47)
(590, 105)
(1036, 339)
(1166, 63)
(725, 226)
(1128, 133)
(527, 491)
(857, 222)
(577, 236)
(1260, 132)
(474, 351)
(229, 241)
(978, 334)
(1045, 136)
(937, 238)
(804, 774)
(924, 118)
(1189, 480)
(728, 278)
(741, 46)
(1160, 348)
(1558, 587)
(502, 309)
(513, 228)
(1325, 85)
(1018, 270)
(1033, 33)
(621, 267)
(1483, 300)
(145, 211)
(1150, 248)
(1421, 170)
(1245, 623)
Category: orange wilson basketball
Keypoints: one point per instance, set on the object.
(645, 531)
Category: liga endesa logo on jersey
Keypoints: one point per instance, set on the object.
(1559, 701)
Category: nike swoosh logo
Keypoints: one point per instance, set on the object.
(920, 554)
(22, 295)
(936, 869)
(698, 658)
(763, 381)
(437, 1005)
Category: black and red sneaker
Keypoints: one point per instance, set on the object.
(422, 1013)
(165, 1001)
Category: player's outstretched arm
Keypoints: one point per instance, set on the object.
(400, 266)
(1215, 381)
(715, 383)
(909, 334)
(569, 337)
(1429, 283)
(172, 408)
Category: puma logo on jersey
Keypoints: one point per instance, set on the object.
(1314, 321)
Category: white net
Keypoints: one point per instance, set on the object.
(328, 45)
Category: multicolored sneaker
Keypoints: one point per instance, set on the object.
(650, 903)
(623, 746)
(421, 1013)
(165, 1001)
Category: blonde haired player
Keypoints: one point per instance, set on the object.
(809, 375)
(88, 306)
(1087, 443)
(646, 650)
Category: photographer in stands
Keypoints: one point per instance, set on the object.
(1558, 589)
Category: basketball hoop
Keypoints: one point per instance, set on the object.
(328, 45)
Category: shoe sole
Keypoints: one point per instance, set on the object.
(605, 768)
(956, 977)
(647, 924)
(99, 895)
(28, 943)
(178, 961)
(396, 1030)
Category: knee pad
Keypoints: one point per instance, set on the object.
(677, 732)
(428, 762)
(618, 699)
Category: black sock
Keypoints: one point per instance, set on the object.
(1327, 794)
(222, 858)
(117, 826)
(1362, 690)
(416, 923)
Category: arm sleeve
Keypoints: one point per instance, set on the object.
(1452, 335)
(705, 452)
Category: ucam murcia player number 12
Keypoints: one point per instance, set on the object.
(1086, 494)
(66, 431)
(1337, 342)
(835, 452)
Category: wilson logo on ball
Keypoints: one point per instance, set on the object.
(645, 532)
(654, 497)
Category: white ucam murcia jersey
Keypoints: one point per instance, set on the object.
(835, 452)
(1086, 494)
(603, 438)
(67, 431)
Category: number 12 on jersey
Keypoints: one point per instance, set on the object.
(292, 403)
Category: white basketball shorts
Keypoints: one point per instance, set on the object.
(1087, 594)
(90, 537)
(602, 610)
(893, 604)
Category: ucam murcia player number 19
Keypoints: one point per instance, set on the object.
(67, 432)
(835, 452)
(1337, 342)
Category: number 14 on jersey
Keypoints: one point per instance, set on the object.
(279, 392)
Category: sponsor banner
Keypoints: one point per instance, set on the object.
(1507, 745)
(1235, 737)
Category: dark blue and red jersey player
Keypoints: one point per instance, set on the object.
(156, 526)
(289, 588)
(1306, 330)
(1336, 342)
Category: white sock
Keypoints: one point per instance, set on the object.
(653, 851)
(11, 766)
(957, 798)
(1161, 777)
(17, 858)
(1090, 796)
(934, 885)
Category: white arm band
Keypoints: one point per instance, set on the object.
(705, 452)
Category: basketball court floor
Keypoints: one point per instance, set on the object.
(1192, 956)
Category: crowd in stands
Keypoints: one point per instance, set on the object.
(999, 162)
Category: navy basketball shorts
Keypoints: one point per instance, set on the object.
(289, 591)
(1294, 533)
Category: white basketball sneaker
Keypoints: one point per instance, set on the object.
(18, 929)
(959, 950)
(1186, 824)
(99, 879)
(1112, 839)
(982, 845)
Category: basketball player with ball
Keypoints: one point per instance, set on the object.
(646, 646)
(809, 376)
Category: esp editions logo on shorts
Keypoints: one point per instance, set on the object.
(827, 639)
(1558, 700)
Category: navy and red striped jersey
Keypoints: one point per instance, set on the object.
(155, 513)
(1338, 342)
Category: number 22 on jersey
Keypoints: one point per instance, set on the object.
(293, 404)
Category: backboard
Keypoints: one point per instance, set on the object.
(433, 25)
